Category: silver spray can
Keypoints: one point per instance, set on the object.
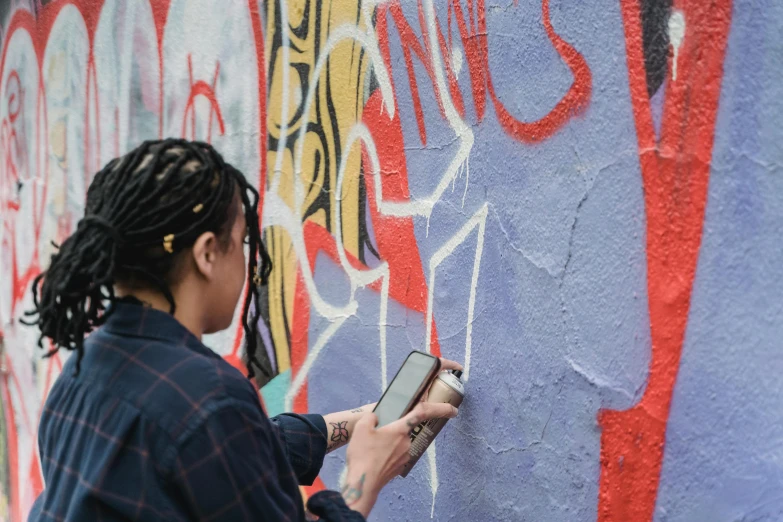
(447, 388)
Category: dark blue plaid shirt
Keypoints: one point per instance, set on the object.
(158, 427)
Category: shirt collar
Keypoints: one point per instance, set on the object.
(132, 319)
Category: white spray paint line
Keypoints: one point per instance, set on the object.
(464, 132)
(477, 221)
(277, 213)
(433, 478)
(312, 355)
(676, 37)
(461, 129)
(467, 181)
(344, 32)
(362, 277)
(473, 286)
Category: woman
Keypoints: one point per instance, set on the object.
(145, 422)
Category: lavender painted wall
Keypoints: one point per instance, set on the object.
(486, 182)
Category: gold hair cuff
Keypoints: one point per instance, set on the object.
(198, 208)
(257, 278)
(167, 243)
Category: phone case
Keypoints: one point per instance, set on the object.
(425, 385)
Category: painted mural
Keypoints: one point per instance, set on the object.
(566, 196)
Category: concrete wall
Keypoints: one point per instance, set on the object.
(580, 200)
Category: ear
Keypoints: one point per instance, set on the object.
(204, 254)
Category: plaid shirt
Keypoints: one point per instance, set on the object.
(158, 427)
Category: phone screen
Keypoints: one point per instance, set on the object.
(406, 387)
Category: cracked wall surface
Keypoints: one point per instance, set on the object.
(579, 200)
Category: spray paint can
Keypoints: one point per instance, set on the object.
(447, 388)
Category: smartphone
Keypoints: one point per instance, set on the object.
(406, 389)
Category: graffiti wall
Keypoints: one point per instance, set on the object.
(579, 200)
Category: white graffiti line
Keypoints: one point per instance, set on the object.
(421, 206)
(370, 46)
(477, 221)
(360, 132)
(277, 213)
(463, 130)
(358, 278)
(432, 463)
(312, 355)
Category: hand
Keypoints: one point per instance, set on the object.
(446, 364)
(376, 456)
(340, 425)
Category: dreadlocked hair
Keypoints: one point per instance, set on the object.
(142, 209)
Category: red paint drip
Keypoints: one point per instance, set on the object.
(675, 174)
(160, 12)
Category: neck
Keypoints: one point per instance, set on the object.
(185, 314)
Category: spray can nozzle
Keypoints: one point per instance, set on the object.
(456, 373)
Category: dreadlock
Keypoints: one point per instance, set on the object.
(141, 210)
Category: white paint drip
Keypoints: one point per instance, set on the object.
(277, 213)
(432, 462)
(676, 37)
(467, 181)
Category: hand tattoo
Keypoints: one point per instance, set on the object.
(358, 410)
(353, 494)
(340, 434)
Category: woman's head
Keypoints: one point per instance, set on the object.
(168, 219)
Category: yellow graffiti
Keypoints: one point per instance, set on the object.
(339, 95)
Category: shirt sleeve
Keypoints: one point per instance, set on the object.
(331, 507)
(304, 442)
(231, 468)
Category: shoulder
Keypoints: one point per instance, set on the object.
(176, 385)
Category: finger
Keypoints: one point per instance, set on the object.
(367, 422)
(447, 364)
(406, 424)
(434, 410)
